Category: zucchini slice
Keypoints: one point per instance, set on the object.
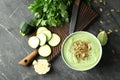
(40, 29)
(55, 40)
(33, 42)
(47, 33)
(42, 38)
(44, 51)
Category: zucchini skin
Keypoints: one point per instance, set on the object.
(26, 29)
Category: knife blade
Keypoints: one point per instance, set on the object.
(74, 16)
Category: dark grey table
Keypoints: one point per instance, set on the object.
(14, 47)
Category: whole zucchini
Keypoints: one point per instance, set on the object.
(26, 29)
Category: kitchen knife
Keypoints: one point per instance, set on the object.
(74, 16)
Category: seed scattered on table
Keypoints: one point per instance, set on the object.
(101, 1)
(104, 2)
(101, 9)
(112, 10)
(110, 30)
(100, 30)
(116, 30)
(101, 22)
(108, 14)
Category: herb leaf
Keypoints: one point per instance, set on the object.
(88, 2)
(50, 12)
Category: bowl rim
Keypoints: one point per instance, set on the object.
(90, 66)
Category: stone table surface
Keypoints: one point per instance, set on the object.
(13, 47)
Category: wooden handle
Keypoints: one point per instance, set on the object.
(29, 58)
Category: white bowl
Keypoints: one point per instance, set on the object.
(94, 54)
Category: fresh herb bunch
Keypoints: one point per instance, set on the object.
(50, 12)
(88, 2)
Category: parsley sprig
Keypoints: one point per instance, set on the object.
(50, 12)
(88, 2)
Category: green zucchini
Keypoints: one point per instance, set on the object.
(55, 40)
(26, 29)
(33, 42)
(42, 38)
(44, 51)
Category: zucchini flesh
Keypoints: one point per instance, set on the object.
(40, 29)
(33, 42)
(48, 34)
(42, 38)
(44, 51)
(45, 31)
(55, 40)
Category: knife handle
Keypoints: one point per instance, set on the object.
(29, 58)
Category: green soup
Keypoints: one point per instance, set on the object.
(94, 53)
